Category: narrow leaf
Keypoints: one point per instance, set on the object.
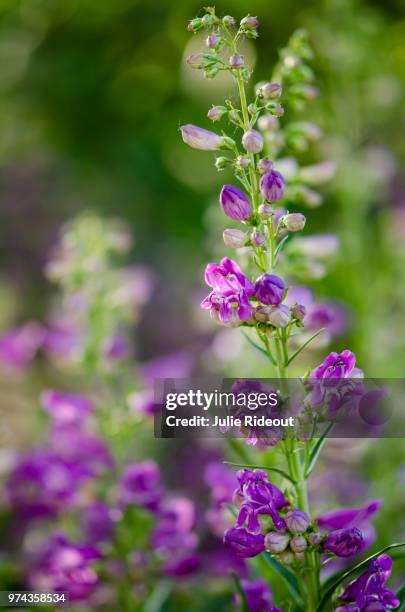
(356, 568)
(301, 348)
(280, 245)
(287, 576)
(259, 348)
(316, 450)
(262, 467)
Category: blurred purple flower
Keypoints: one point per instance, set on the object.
(143, 403)
(258, 596)
(346, 542)
(66, 408)
(180, 566)
(65, 566)
(174, 365)
(86, 450)
(140, 485)
(42, 484)
(19, 345)
(97, 523)
(368, 592)
(331, 316)
(243, 543)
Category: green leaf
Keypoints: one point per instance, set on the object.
(286, 575)
(301, 348)
(262, 467)
(256, 346)
(313, 457)
(280, 245)
(244, 606)
(158, 597)
(401, 596)
(356, 568)
(239, 448)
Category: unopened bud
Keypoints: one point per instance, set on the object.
(298, 544)
(242, 161)
(268, 123)
(216, 113)
(208, 20)
(286, 557)
(252, 141)
(212, 41)
(234, 238)
(271, 90)
(236, 61)
(228, 21)
(222, 162)
(275, 542)
(262, 314)
(264, 166)
(297, 520)
(257, 238)
(249, 23)
(195, 25)
(265, 211)
(197, 60)
(315, 539)
(280, 316)
(294, 222)
(298, 311)
(275, 109)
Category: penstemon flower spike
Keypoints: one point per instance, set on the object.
(270, 520)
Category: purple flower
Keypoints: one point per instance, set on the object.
(174, 530)
(260, 497)
(344, 542)
(236, 61)
(235, 203)
(279, 316)
(88, 452)
(229, 309)
(98, 525)
(297, 521)
(42, 484)
(19, 345)
(252, 141)
(66, 408)
(276, 542)
(368, 591)
(269, 289)
(331, 316)
(227, 276)
(353, 517)
(181, 565)
(140, 485)
(198, 138)
(65, 566)
(272, 186)
(336, 365)
(258, 595)
(249, 23)
(243, 543)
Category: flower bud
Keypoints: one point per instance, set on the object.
(212, 41)
(236, 61)
(216, 113)
(269, 289)
(270, 90)
(257, 238)
(227, 143)
(309, 197)
(261, 314)
(298, 544)
(234, 238)
(249, 23)
(272, 186)
(275, 109)
(316, 174)
(268, 123)
(315, 539)
(265, 211)
(228, 21)
(195, 25)
(280, 316)
(286, 557)
(344, 542)
(320, 246)
(252, 141)
(198, 138)
(264, 165)
(234, 203)
(242, 161)
(297, 521)
(222, 162)
(276, 542)
(298, 311)
(294, 222)
(197, 60)
(208, 20)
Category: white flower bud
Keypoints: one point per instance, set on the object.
(234, 238)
